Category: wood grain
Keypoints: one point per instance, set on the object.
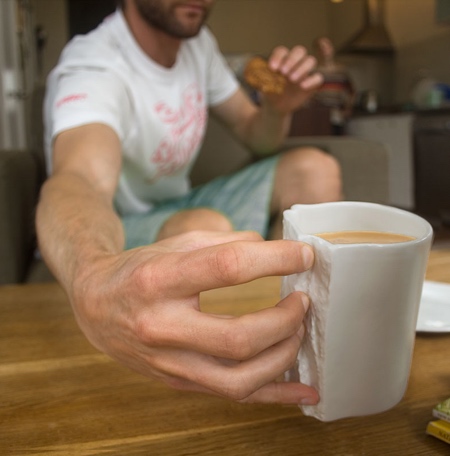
(59, 396)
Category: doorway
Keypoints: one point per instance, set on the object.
(17, 72)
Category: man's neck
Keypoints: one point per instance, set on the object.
(158, 45)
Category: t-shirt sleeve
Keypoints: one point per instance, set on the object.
(85, 97)
(81, 97)
(222, 83)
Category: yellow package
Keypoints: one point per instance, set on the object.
(439, 429)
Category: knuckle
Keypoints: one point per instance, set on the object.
(238, 388)
(156, 330)
(153, 328)
(146, 277)
(140, 277)
(238, 344)
(144, 330)
(225, 263)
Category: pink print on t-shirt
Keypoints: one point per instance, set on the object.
(71, 98)
(186, 128)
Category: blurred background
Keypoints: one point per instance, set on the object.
(395, 51)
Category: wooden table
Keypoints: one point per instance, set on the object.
(59, 396)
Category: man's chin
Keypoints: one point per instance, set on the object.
(191, 22)
(189, 31)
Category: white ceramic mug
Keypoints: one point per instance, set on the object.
(360, 328)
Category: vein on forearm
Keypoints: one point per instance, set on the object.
(75, 224)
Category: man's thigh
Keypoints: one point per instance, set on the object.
(243, 197)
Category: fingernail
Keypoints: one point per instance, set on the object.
(307, 256)
(305, 302)
(308, 401)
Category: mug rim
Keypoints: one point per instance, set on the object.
(424, 236)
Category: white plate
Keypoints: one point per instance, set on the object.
(434, 311)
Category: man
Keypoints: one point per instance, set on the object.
(125, 113)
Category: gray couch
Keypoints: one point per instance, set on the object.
(364, 166)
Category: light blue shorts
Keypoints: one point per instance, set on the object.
(243, 197)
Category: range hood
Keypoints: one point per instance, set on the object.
(374, 37)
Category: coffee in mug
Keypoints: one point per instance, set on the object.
(364, 237)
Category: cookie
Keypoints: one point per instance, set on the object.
(259, 76)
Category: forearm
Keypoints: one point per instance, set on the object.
(75, 225)
(267, 129)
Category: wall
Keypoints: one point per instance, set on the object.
(344, 20)
(240, 25)
(259, 25)
(422, 43)
(291, 22)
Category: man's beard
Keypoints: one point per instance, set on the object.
(153, 12)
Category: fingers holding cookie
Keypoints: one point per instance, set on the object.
(287, 79)
(260, 76)
(296, 64)
(285, 60)
(285, 65)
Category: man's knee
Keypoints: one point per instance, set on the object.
(208, 219)
(307, 175)
(311, 161)
(195, 219)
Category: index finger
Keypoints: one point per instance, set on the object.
(233, 263)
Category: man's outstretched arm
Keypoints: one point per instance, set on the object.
(141, 306)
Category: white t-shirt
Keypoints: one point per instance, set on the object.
(159, 114)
